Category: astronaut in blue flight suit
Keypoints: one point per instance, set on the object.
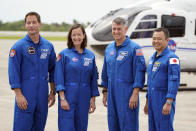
(30, 61)
(163, 73)
(76, 82)
(123, 75)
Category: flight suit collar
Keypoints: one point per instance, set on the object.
(126, 41)
(29, 39)
(166, 50)
(74, 49)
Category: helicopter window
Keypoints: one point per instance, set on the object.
(195, 27)
(141, 34)
(175, 25)
(145, 28)
(147, 25)
(147, 17)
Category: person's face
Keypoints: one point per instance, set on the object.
(32, 25)
(77, 36)
(159, 41)
(118, 31)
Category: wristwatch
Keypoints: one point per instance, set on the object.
(62, 98)
(169, 102)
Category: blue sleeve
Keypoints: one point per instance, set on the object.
(104, 75)
(59, 73)
(147, 94)
(51, 66)
(139, 68)
(14, 68)
(173, 79)
(94, 78)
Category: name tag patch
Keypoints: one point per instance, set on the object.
(44, 54)
(121, 55)
(87, 61)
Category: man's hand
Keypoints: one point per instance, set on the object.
(105, 99)
(92, 105)
(20, 99)
(133, 102)
(146, 107)
(167, 107)
(51, 99)
(65, 105)
(51, 96)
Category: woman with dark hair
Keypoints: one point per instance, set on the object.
(76, 82)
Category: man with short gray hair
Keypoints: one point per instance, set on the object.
(123, 75)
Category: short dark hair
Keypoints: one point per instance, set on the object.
(35, 14)
(69, 40)
(164, 30)
(120, 21)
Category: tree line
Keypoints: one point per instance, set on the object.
(20, 26)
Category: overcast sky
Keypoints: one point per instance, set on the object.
(59, 10)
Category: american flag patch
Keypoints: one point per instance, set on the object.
(139, 52)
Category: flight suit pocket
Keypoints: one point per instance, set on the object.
(165, 123)
(130, 121)
(71, 93)
(66, 114)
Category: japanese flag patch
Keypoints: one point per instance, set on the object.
(174, 61)
(12, 53)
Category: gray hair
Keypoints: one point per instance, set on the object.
(120, 21)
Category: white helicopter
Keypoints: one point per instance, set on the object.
(178, 16)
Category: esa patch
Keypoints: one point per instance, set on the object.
(174, 61)
(12, 53)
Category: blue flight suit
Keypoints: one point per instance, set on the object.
(163, 82)
(75, 74)
(29, 65)
(123, 70)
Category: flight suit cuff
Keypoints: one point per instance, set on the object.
(138, 85)
(146, 95)
(13, 86)
(51, 80)
(104, 85)
(173, 96)
(60, 88)
(95, 93)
